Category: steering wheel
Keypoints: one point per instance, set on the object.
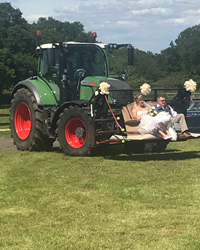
(79, 73)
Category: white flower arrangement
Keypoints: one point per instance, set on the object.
(104, 87)
(190, 85)
(152, 112)
(145, 88)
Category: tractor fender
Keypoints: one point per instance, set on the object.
(41, 91)
(79, 103)
(28, 85)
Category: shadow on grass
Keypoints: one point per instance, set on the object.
(120, 154)
(167, 155)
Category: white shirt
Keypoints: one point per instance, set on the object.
(173, 112)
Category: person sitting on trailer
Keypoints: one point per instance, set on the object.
(155, 125)
(176, 118)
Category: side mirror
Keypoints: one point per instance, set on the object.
(123, 75)
(130, 56)
(51, 57)
(30, 73)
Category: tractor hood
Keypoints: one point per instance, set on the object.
(115, 84)
(120, 92)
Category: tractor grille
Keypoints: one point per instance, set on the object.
(122, 97)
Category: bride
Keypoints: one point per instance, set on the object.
(159, 125)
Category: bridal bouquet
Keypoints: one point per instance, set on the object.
(152, 112)
(104, 87)
(145, 88)
(190, 85)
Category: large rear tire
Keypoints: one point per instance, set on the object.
(76, 132)
(26, 123)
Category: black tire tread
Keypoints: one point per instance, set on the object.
(38, 141)
(65, 116)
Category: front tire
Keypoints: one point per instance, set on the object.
(76, 132)
(26, 123)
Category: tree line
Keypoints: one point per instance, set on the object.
(172, 67)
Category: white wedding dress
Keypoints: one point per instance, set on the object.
(151, 124)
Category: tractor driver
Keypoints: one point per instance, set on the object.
(71, 83)
(86, 63)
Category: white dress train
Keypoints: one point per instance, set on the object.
(151, 124)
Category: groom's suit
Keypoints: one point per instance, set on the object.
(176, 118)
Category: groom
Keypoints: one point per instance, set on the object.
(176, 118)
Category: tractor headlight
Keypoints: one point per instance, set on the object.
(114, 101)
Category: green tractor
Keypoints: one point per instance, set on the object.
(64, 102)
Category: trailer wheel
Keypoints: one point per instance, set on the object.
(161, 146)
(26, 123)
(76, 132)
(134, 147)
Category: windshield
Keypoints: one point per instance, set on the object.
(194, 105)
(91, 58)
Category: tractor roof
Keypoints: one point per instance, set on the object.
(50, 45)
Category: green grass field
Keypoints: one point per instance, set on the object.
(143, 202)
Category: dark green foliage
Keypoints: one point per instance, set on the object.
(169, 60)
(6, 70)
(15, 33)
(24, 63)
(56, 31)
(188, 48)
(171, 68)
(16, 44)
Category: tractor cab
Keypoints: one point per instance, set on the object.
(67, 64)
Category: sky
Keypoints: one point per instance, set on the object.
(149, 25)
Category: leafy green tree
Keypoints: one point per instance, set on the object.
(56, 31)
(169, 60)
(25, 66)
(147, 66)
(6, 70)
(188, 48)
(14, 29)
(10, 16)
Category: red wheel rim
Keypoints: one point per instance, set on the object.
(23, 121)
(70, 133)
